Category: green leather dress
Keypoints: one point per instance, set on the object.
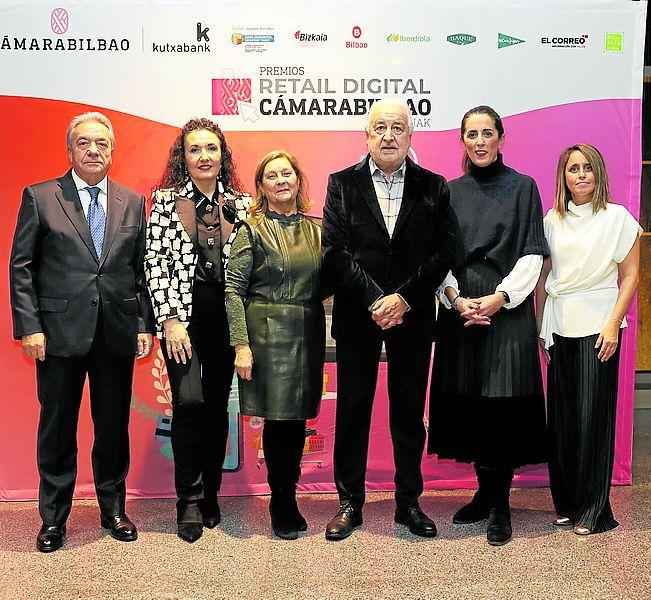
(274, 282)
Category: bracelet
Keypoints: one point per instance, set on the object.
(454, 300)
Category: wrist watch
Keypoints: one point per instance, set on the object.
(507, 299)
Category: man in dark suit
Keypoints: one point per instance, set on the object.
(80, 307)
(387, 240)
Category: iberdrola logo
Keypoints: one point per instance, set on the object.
(503, 40)
(461, 39)
(393, 37)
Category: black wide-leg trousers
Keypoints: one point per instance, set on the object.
(200, 390)
(60, 382)
(408, 371)
(582, 410)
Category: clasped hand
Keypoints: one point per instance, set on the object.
(478, 311)
(388, 311)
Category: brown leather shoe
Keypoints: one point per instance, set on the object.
(343, 523)
(50, 537)
(120, 526)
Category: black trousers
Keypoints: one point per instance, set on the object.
(200, 390)
(60, 382)
(408, 370)
(582, 411)
(283, 442)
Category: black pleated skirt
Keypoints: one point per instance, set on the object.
(582, 410)
(486, 398)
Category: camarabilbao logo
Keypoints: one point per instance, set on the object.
(357, 34)
(399, 38)
(228, 93)
(59, 21)
(579, 41)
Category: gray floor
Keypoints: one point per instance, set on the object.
(240, 558)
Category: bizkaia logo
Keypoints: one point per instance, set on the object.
(397, 38)
(461, 39)
(310, 38)
(504, 40)
(185, 47)
(59, 24)
(579, 41)
(357, 34)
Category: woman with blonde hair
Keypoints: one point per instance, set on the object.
(277, 325)
(580, 312)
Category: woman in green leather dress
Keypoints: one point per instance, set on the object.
(277, 325)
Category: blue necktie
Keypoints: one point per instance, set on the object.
(96, 220)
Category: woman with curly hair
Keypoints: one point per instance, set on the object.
(198, 201)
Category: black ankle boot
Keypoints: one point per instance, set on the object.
(480, 505)
(210, 513)
(283, 521)
(188, 519)
(499, 529)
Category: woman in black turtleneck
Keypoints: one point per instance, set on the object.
(487, 405)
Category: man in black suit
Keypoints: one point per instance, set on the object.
(80, 307)
(387, 241)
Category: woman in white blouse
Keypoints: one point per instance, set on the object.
(580, 312)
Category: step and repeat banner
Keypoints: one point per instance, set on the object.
(302, 76)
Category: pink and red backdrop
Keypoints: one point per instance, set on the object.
(32, 148)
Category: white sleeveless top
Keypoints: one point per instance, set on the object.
(586, 248)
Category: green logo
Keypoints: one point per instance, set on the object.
(461, 39)
(503, 40)
(614, 42)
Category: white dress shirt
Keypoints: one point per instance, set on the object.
(518, 284)
(586, 248)
(84, 194)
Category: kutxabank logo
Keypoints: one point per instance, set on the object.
(227, 93)
(59, 21)
(461, 39)
(504, 40)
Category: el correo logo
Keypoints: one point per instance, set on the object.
(461, 39)
(503, 40)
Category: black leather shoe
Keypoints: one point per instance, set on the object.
(417, 521)
(210, 513)
(121, 527)
(189, 532)
(472, 512)
(50, 537)
(343, 523)
(499, 527)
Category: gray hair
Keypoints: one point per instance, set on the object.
(390, 102)
(89, 117)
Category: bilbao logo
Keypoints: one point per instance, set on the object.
(354, 43)
(59, 19)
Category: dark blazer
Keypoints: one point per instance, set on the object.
(363, 263)
(57, 281)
